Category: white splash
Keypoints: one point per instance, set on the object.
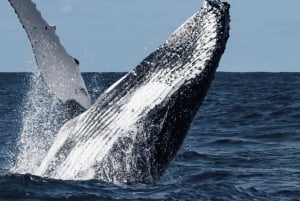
(41, 119)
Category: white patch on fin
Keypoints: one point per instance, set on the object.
(59, 70)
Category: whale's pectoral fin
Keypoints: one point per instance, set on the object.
(59, 70)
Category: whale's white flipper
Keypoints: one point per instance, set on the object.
(59, 70)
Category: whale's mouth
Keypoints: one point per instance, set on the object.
(137, 125)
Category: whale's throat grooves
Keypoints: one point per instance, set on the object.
(138, 124)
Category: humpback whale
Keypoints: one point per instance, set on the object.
(134, 129)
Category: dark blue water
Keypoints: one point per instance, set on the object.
(244, 144)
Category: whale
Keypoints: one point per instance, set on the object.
(135, 128)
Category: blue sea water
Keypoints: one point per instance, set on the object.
(244, 144)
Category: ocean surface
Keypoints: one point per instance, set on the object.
(244, 144)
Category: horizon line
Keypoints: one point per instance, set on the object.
(130, 71)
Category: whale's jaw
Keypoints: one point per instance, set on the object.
(138, 124)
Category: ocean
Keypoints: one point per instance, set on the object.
(244, 144)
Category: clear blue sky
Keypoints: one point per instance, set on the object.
(115, 35)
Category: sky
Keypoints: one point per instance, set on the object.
(116, 35)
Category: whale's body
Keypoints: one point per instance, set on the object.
(137, 125)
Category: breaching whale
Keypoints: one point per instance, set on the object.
(132, 132)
